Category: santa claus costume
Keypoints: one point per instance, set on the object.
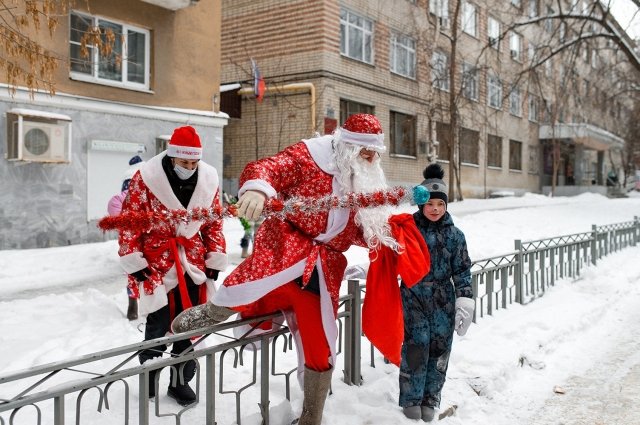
(169, 265)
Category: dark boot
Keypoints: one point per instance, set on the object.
(200, 316)
(132, 310)
(316, 387)
(179, 388)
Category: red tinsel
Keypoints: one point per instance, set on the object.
(143, 221)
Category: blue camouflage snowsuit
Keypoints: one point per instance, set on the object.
(429, 311)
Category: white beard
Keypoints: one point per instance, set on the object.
(359, 176)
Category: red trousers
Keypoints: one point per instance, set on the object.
(306, 306)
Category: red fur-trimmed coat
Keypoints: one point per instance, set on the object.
(286, 249)
(200, 245)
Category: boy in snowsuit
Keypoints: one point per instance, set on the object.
(441, 302)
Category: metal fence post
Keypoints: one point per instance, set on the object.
(636, 233)
(518, 277)
(264, 380)
(356, 332)
(594, 244)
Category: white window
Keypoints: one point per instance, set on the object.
(594, 59)
(515, 46)
(494, 89)
(356, 36)
(469, 18)
(548, 23)
(515, 105)
(548, 67)
(563, 31)
(532, 53)
(533, 107)
(516, 3)
(533, 8)
(440, 70)
(493, 32)
(440, 8)
(403, 55)
(469, 81)
(126, 66)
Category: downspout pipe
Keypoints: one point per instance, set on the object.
(290, 88)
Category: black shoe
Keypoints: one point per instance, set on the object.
(132, 309)
(182, 394)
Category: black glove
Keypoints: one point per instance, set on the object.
(211, 273)
(141, 275)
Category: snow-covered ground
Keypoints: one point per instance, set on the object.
(63, 302)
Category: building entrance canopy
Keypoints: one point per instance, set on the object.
(587, 135)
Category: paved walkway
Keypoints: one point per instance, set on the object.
(607, 394)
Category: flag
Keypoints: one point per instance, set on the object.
(258, 82)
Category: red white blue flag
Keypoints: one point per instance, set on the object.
(258, 82)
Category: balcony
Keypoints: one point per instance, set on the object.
(172, 4)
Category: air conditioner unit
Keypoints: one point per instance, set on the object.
(37, 139)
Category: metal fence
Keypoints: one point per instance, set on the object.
(111, 387)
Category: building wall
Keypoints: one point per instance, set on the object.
(315, 56)
(185, 53)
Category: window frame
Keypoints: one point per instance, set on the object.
(469, 146)
(471, 29)
(515, 101)
(493, 32)
(412, 151)
(436, 81)
(533, 103)
(409, 53)
(494, 150)
(367, 36)
(515, 46)
(494, 82)
(515, 156)
(94, 60)
(470, 74)
(440, 9)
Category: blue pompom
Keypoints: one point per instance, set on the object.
(421, 194)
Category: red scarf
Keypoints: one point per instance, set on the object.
(382, 319)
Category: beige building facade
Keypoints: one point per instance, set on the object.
(392, 58)
(65, 154)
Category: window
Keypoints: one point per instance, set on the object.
(493, 32)
(440, 70)
(515, 46)
(494, 89)
(348, 108)
(126, 66)
(533, 8)
(515, 104)
(515, 155)
(494, 151)
(469, 81)
(443, 137)
(469, 142)
(469, 18)
(356, 36)
(440, 8)
(403, 55)
(533, 107)
(516, 3)
(532, 53)
(594, 59)
(548, 67)
(546, 111)
(548, 23)
(533, 160)
(403, 134)
(563, 31)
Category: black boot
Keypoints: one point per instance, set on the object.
(179, 388)
(132, 310)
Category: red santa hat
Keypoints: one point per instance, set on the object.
(363, 130)
(185, 144)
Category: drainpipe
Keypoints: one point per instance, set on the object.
(290, 88)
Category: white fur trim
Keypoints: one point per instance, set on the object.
(133, 262)
(248, 292)
(321, 151)
(367, 140)
(154, 302)
(259, 185)
(211, 288)
(216, 260)
(184, 152)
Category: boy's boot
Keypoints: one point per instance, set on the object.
(428, 413)
(412, 412)
(132, 309)
(316, 387)
(179, 388)
(200, 316)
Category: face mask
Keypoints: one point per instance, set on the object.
(183, 173)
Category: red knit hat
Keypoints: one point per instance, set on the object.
(364, 130)
(185, 144)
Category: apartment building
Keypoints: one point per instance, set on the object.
(64, 154)
(522, 111)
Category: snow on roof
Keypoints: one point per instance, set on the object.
(41, 114)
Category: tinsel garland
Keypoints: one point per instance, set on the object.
(143, 221)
